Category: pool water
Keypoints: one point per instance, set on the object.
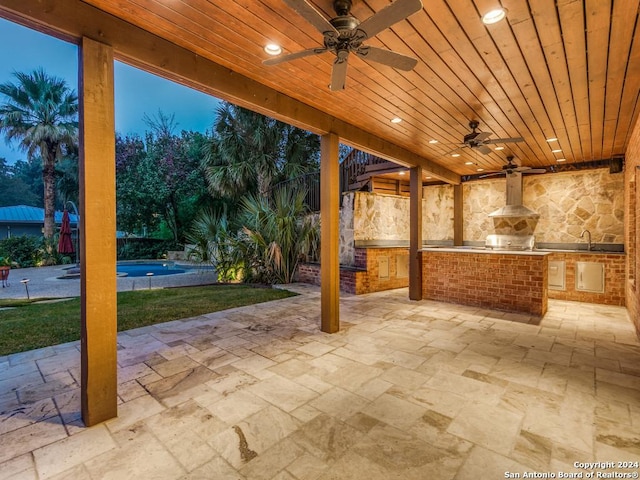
(141, 269)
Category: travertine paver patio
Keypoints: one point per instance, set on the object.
(407, 390)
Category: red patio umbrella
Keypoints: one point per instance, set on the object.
(65, 244)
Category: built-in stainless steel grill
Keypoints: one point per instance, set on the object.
(510, 242)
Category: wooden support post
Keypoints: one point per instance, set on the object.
(330, 235)
(458, 218)
(415, 234)
(98, 233)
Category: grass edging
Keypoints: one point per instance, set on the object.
(33, 324)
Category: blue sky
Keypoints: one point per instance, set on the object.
(136, 92)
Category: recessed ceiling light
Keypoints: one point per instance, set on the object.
(455, 154)
(468, 163)
(499, 148)
(481, 169)
(433, 141)
(401, 173)
(396, 120)
(273, 49)
(557, 150)
(561, 160)
(552, 139)
(494, 16)
(429, 178)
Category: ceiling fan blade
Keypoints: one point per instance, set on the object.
(311, 15)
(481, 136)
(491, 174)
(505, 140)
(293, 56)
(537, 170)
(387, 57)
(389, 15)
(482, 149)
(338, 75)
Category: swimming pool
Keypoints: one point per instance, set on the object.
(142, 269)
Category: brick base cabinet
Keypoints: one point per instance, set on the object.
(512, 282)
(365, 276)
(614, 278)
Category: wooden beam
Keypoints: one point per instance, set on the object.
(74, 19)
(330, 234)
(458, 216)
(415, 234)
(98, 233)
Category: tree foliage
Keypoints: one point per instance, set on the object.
(158, 180)
(14, 190)
(250, 153)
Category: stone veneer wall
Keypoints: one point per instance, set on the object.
(567, 202)
(632, 213)
(371, 216)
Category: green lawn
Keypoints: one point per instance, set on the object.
(36, 325)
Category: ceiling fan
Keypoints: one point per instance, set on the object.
(512, 167)
(479, 140)
(345, 34)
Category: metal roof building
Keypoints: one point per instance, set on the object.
(27, 220)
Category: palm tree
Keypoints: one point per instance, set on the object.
(40, 112)
(277, 235)
(249, 153)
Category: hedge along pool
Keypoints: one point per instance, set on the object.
(143, 269)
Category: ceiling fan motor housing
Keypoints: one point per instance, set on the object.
(469, 137)
(345, 25)
(342, 7)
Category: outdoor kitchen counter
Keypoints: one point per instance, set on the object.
(482, 250)
(508, 280)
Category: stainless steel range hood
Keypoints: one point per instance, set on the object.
(514, 206)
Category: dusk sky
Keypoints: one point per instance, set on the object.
(136, 92)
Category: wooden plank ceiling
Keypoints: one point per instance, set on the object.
(562, 69)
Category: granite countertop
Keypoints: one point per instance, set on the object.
(471, 249)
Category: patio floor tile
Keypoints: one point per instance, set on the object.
(406, 389)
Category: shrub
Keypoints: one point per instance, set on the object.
(23, 250)
(214, 243)
(145, 248)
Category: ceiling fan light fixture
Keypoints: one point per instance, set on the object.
(494, 16)
(273, 49)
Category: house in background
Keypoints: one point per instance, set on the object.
(26, 220)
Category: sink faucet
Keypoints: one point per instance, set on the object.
(589, 246)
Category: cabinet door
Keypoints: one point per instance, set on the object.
(556, 274)
(590, 277)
